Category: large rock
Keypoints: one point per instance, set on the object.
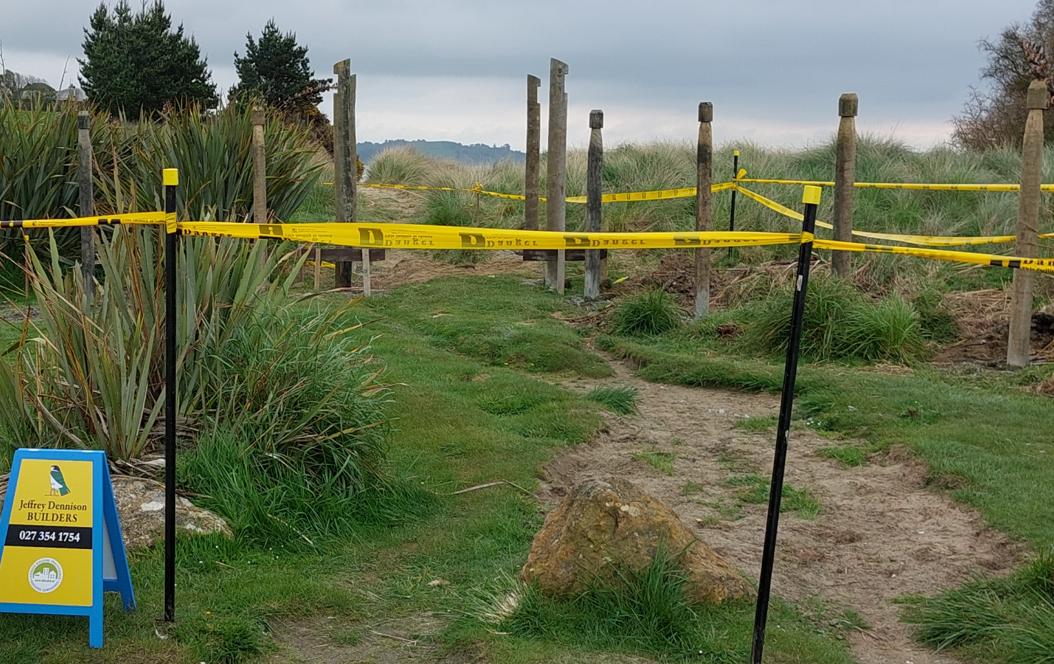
(141, 504)
(606, 527)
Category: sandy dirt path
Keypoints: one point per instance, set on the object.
(880, 533)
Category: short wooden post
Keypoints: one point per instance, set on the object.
(704, 158)
(318, 268)
(594, 191)
(86, 200)
(345, 157)
(259, 167)
(1018, 347)
(844, 180)
(534, 140)
(556, 175)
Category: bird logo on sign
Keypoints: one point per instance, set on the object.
(58, 483)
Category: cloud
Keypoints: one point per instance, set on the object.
(455, 69)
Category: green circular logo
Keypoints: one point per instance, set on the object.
(45, 575)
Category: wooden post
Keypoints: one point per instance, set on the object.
(556, 175)
(259, 167)
(594, 191)
(345, 158)
(844, 179)
(534, 141)
(86, 200)
(704, 158)
(1018, 347)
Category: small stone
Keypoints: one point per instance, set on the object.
(436, 583)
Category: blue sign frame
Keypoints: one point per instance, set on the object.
(106, 538)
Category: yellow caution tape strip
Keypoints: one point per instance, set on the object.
(920, 240)
(620, 197)
(993, 260)
(911, 186)
(420, 236)
(97, 220)
(417, 236)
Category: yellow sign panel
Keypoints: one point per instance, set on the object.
(48, 546)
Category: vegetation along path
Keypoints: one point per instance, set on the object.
(853, 538)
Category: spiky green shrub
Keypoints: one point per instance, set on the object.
(651, 312)
(89, 371)
(214, 156)
(38, 160)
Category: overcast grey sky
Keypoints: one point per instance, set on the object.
(455, 69)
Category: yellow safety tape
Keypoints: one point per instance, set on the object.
(654, 195)
(911, 186)
(419, 236)
(97, 220)
(920, 240)
(994, 260)
(620, 197)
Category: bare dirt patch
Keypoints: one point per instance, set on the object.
(983, 321)
(880, 533)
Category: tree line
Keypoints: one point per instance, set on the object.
(137, 63)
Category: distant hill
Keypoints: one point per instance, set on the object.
(477, 153)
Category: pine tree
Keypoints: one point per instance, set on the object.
(277, 71)
(136, 64)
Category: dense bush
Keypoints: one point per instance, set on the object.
(294, 443)
(89, 370)
(214, 156)
(38, 146)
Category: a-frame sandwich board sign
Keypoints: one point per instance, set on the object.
(60, 538)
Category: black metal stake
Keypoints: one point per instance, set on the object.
(811, 198)
(171, 183)
(732, 209)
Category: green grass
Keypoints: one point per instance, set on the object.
(461, 416)
(649, 614)
(977, 431)
(1009, 620)
(660, 461)
(840, 323)
(753, 489)
(983, 438)
(757, 423)
(847, 455)
(651, 312)
(621, 399)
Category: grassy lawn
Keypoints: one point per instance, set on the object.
(466, 359)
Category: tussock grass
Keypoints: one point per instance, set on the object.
(1008, 620)
(648, 613)
(621, 399)
(651, 312)
(403, 165)
(840, 323)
